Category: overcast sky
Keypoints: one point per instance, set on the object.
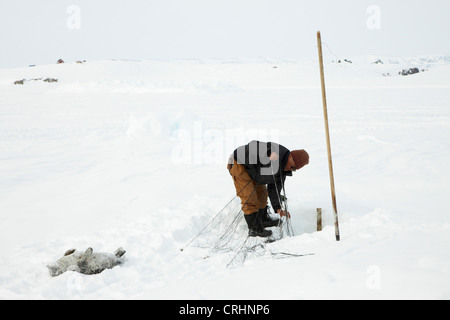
(42, 31)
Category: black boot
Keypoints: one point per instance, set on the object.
(255, 228)
(266, 220)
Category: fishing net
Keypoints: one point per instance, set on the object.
(227, 233)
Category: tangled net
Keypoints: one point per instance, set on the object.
(227, 232)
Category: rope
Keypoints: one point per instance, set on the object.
(290, 230)
(284, 255)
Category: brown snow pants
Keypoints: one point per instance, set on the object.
(253, 196)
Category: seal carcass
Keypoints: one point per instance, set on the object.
(86, 262)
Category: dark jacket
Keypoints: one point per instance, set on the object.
(255, 157)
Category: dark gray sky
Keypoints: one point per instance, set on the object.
(41, 31)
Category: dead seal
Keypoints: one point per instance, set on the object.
(86, 262)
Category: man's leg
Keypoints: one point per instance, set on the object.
(261, 194)
(245, 188)
(247, 192)
(263, 214)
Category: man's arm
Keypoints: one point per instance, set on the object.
(274, 192)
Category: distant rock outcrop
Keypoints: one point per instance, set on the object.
(22, 81)
(409, 71)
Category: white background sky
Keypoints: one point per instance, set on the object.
(37, 32)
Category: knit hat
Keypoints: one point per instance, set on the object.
(301, 158)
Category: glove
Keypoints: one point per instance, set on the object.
(283, 213)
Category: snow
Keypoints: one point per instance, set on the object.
(132, 154)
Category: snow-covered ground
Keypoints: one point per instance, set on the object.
(132, 154)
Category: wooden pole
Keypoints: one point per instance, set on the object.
(327, 133)
(319, 219)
